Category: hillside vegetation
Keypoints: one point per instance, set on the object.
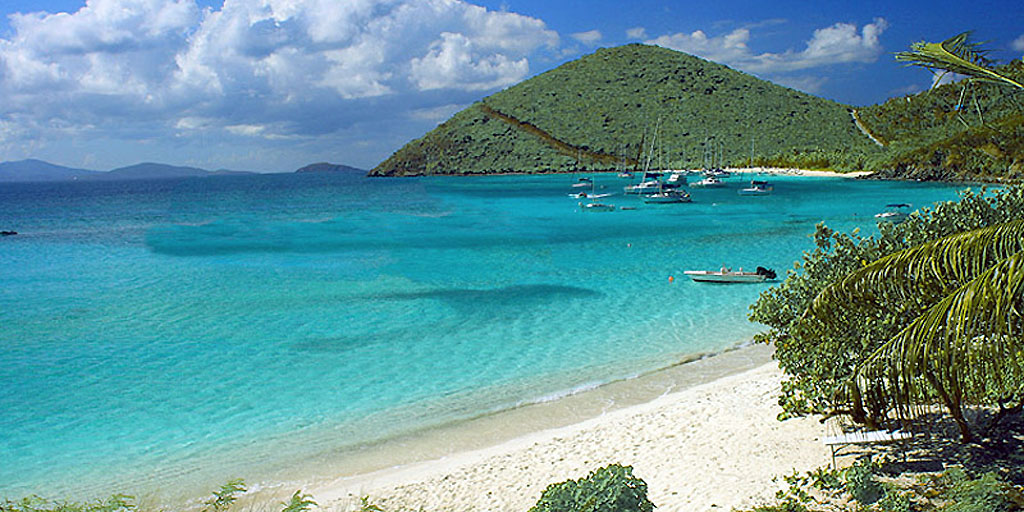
(620, 106)
(626, 106)
(952, 131)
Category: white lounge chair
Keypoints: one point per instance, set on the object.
(837, 443)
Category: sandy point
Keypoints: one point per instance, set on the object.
(715, 446)
(780, 171)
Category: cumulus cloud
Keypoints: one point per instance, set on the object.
(588, 37)
(1018, 44)
(838, 44)
(637, 33)
(255, 68)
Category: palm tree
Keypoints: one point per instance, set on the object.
(963, 342)
(959, 55)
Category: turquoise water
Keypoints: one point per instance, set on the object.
(175, 333)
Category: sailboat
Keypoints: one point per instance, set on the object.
(668, 193)
(583, 194)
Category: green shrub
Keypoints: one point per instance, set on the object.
(985, 494)
(226, 496)
(895, 500)
(787, 506)
(299, 503)
(115, 503)
(612, 488)
(861, 483)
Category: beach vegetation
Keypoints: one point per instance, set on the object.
(960, 300)
(115, 503)
(865, 486)
(612, 488)
(299, 502)
(820, 359)
(226, 496)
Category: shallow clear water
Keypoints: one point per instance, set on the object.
(175, 333)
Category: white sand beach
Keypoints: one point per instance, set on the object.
(714, 446)
(778, 171)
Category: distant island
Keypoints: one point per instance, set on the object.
(323, 167)
(33, 170)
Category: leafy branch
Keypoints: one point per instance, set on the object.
(959, 55)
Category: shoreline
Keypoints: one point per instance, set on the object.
(438, 443)
(714, 425)
(772, 171)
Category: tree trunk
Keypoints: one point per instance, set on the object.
(857, 413)
(954, 409)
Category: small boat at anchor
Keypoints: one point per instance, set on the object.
(597, 207)
(709, 182)
(726, 275)
(667, 197)
(896, 212)
(757, 188)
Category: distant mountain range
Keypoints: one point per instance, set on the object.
(38, 170)
(33, 170)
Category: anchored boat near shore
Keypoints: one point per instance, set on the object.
(728, 276)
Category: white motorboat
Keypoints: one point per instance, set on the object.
(667, 197)
(588, 195)
(728, 276)
(757, 188)
(644, 187)
(709, 182)
(897, 212)
(597, 207)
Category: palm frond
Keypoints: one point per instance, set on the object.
(925, 272)
(957, 54)
(969, 342)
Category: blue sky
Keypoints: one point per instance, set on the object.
(271, 85)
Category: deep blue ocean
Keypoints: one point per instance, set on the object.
(164, 333)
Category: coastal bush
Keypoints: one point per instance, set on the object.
(226, 496)
(298, 503)
(818, 363)
(612, 488)
(861, 491)
(115, 503)
(961, 493)
(862, 484)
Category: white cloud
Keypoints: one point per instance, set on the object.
(248, 130)
(1018, 44)
(298, 66)
(588, 37)
(637, 33)
(838, 44)
(806, 83)
(450, 63)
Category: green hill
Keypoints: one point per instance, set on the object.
(619, 106)
(622, 106)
